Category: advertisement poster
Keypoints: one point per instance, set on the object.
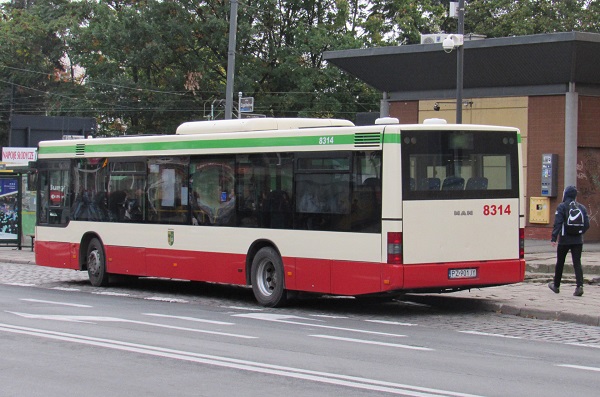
(9, 214)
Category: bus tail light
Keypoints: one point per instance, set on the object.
(521, 243)
(394, 248)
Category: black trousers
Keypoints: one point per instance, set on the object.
(561, 254)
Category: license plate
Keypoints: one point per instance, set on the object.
(462, 273)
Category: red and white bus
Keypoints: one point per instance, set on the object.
(283, 205)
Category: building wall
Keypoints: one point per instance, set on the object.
(588, 161)
(547, 135)
(406, 111)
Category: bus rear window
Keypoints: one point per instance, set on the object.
(459, 164)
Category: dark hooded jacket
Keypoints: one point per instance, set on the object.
(560, 218)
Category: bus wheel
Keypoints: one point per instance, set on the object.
(96, 264)
(267, 278)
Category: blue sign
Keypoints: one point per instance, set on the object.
(9, 209)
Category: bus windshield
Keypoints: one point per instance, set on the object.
(459, 165)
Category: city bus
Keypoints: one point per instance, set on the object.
(289, 205)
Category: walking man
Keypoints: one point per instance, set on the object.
(570, 223)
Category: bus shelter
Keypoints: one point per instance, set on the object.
(17, 208)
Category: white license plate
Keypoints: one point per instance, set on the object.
(462, 273)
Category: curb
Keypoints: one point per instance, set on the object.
(508, 309)
(541, 314)
(547, 268)
(18, 261)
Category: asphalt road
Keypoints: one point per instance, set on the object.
(67, 342)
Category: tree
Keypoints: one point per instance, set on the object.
(32, 58)
(142, 64)
(283, 65)
(145, 66)
(161, 63)
(502, 18)
(396, 22)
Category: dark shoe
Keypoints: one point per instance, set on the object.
(554, 288)
(578, 291)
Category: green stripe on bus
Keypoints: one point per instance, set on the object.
(391, 138)
(91, 147)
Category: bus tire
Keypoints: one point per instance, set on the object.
(268, 278)
(96, 264)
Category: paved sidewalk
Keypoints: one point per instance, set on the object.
(529, 299)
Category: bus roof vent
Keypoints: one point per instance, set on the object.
(367, 139)
(435, 121)
(258, 124)
(80, 149)
(387, 120)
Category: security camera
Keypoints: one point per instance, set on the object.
(452, 41)
(448, 45)
(436, 107)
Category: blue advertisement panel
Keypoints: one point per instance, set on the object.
(9, 209)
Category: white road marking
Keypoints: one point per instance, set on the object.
(256, 309)
(55, 303)
(326, 316)
(391, 323)
(284, 319)
(372, 342)
(163, 299)
(70, 319)
(584, 345)
(108, 293)
(199, 320)
(245, 365)
(489, 334)
(20, 284)
(595, 369)
(66, 289)
(410, 303)
(98, 319)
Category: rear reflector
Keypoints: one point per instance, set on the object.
(394, 248)
(521, 243)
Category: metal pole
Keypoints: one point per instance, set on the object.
(231, 59)
(239, 105)
(571, 120)
(459, 62)
(384, 105)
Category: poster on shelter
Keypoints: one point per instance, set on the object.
(9, 211)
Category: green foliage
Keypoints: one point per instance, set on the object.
(501, 18)
(145, 66)
(394, 22)
(32, 49)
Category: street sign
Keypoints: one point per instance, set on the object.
(247, 105)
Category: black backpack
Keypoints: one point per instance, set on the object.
(575, 220)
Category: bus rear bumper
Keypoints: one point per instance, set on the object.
(463, 275)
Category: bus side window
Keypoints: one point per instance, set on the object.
(167, 190)
(264, 183)
(213, 197)
(54, 193)
(43, 197)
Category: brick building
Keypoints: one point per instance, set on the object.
(547, 85)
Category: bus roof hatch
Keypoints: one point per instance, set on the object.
(258, 124)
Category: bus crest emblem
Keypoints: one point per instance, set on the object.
(171, 236)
